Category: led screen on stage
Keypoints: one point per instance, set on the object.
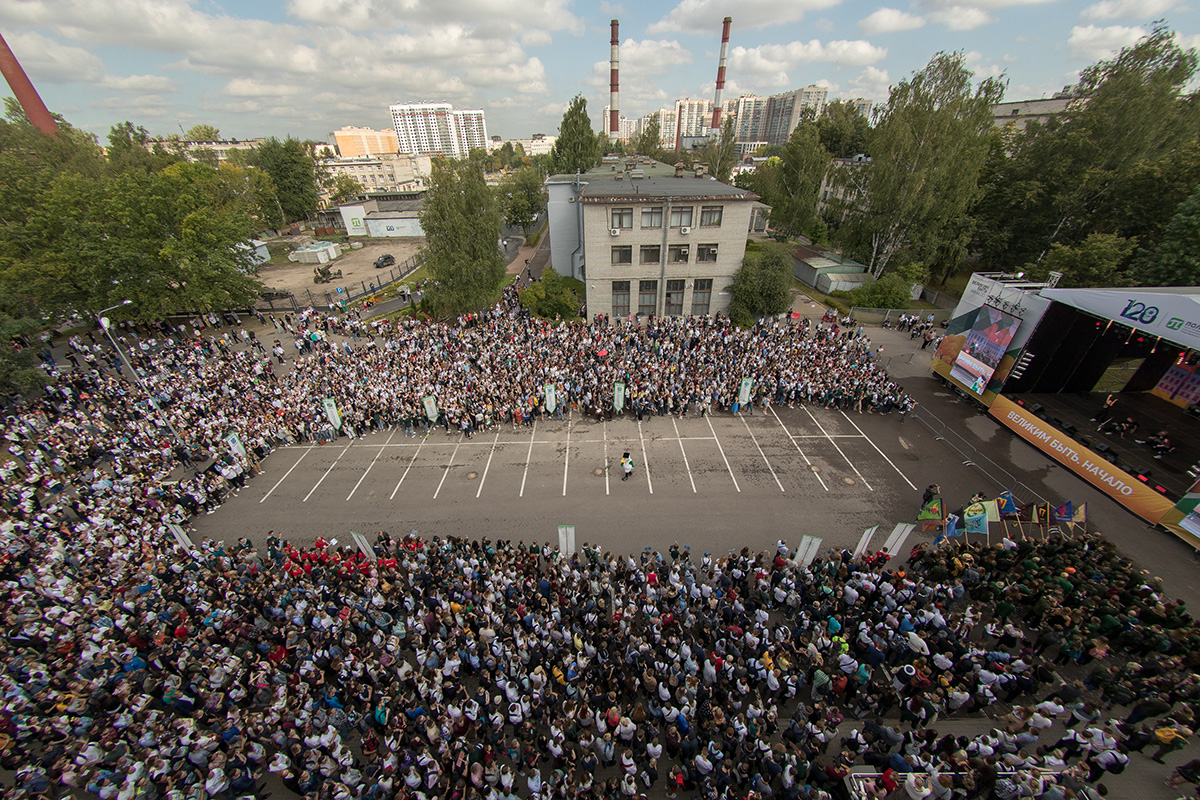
(985, 345)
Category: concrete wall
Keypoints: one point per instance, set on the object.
(384, 227)
(730, 238)
(562, 213)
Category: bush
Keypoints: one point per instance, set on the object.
(763, 286)
(552, 297)
(533, 239)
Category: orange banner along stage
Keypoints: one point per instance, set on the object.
(1117, 484)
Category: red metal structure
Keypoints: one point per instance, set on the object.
(22, 89)
(716, 115)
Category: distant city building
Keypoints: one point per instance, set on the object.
(814, 97)
(1020, 113)
(748, 148)
(428, 129)
(862, 106)
(693, 117)
(537, 145)
(782, 112)
(222, 149)
(353, 142)
(382, 172)
(747, 114)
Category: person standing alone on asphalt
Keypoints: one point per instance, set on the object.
(626, 466)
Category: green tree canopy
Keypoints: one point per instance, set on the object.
(203, 133)
(552, 298)
(721, 155)
(343, 188)
(843, 130)
(292, 171)
(461, 220)
(801, 171)
(577, 147)
(649, 141)
(522, 197)
(1099, 260)
(1175, 260)
(763, 285)
(928, 148)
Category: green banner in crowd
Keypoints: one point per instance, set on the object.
(618, 397)
(551, 398)
(744, 394)
(430, 408)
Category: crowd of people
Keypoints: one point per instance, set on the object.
(132, 667)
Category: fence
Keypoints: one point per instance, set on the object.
(972, 457)
(876, 316)
(329, 297)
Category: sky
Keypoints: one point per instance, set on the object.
(307, 67)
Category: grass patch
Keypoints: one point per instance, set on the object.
(816, 296)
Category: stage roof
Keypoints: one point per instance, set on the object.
(1170, 312)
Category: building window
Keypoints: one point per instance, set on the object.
(651, 218)
(651, 254)
(706, 252)
(701, 295)
(622, 254)
(620, 298)
(622, 218)
(673, 305)
(710, 216)
(681, 217)
(677, 254)
(647, 297)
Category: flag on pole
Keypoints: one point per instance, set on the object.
(1007, 504)
(331, 412)
(551, 399)
(1080, 515)
(933, 510)
(975, 523)
(1065, 512)
(950, 530)
(744, 392)
(992, 507)
(618, 397)
(431, 411)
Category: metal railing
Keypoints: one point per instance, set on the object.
(972, 456)
(876, 316)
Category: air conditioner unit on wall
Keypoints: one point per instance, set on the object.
(685, 230)
(614, 232)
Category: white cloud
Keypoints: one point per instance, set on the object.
(1126, 9)
(704, 16)
(974, 61)
(1095, 43)
(872, 83)
(889, 20)
(142, 84)
(142, 105)
(45, 59)
(368, 14)
(769, 64)
(536, 38)
(961, 18)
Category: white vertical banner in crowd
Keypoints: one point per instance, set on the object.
(897, 537)
(430, 408)
(363, 545)
(331, 412)
(181, 537)
(618, 397)
(234, 443)
(551, 398)
(865, 541)
(566, 540)
(744, 394)
(809, 547)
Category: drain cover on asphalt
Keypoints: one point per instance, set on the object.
(472, 476)
(848, 481)
(598, 471)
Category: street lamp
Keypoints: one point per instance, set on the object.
(106, 324)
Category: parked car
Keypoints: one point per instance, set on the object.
(385, 260)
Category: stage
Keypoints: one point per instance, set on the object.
(1072, 413)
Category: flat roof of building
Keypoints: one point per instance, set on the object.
(614, 180)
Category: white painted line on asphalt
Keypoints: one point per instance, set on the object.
(373, 460)
(831, 436)
(529, 455)
(722, 449)
(284, 478)
(449, 464)
(416, 453)
(567, 454)
(798, 449)
(326, 475)
(645, 463)
(835, 447)
(604, 430)
(761, 453)
(488, 465)
(877, 450)
(684, 454)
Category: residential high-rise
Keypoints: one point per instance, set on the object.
(782, 112)
(694, 117)
(438, 129)
(813, 97)
(747, 114)
(355, 142)
(862, 106)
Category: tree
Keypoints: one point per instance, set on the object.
(927, 148)
(577, 147)
(293, 172)
(801, 171)
(1098, 165)
(1175, 260)
(461, 220)
(721, 155)
(551, 298)
(1099, 260)
(129, 148)
(843, 130)
(343, 188)
(202, 133)
(522, 197)
(763, 285)
(649, 142)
